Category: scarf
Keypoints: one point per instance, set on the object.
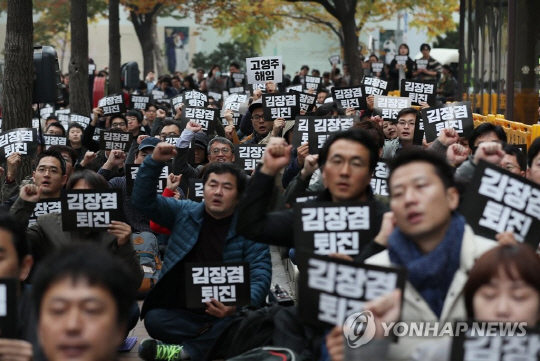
(431, 274)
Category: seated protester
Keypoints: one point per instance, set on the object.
(75, 132)
(55, 128)
(50, 119)
(486, 142)
(431, 240)
(263, 129)
(137, 221)
(219, 149)
(16, 262)
(49, 175)
(533, 162)
(514, 160)
(405, 125)
(134, 123)
(200, 232)
(46, 234)
(165, 84)
(150, 115)
(83, 310)
(321, 96)
(303, 181)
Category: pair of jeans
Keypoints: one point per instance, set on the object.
(196, 332)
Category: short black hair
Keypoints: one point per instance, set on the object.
(516, 152)
(79, 263)
(326, 109)
(486, 128)
(406, 111)
(533, 151)
(18, 234)
(234, 64)
(55, 154)
(75, 125)
(57, 125)
(93, 179)
(168, 122)
(304, 67)
(356, 135)
(64, 148)
(372, 128)
(423, 46)
(121, 116)
(224, 168)
(442, 168)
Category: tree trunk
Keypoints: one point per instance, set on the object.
(115, 82)
(351, 49)
(157, 51)
(143, 29)
(78, 66)
(19, 66)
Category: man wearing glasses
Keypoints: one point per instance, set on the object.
(406, 120)
(261, 126)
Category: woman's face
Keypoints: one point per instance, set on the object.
(75, 135)
(389, 129)
(507, 300)
(403, 50)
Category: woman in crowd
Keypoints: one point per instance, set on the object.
(399, 72)
(215, 82)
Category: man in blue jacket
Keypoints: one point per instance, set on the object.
(200, 232)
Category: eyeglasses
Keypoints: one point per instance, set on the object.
(510, 167)
(225, 151)
(163, 136)
(118, 125)
(403, 123)
(257, 118)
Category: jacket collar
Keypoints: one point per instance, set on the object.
(198, 216)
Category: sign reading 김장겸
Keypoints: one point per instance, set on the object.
(419, 91)
(131, 174)
(45, 206)
(20, 140)
(350, 97)
(281, 105)
(206, 117)
(454, 115)
(112, 104)
(248, 155)
(375, 86)
(389, 107)
(227, 282)
(379, 180)
(90, 209)
(196, 189)
(109, 140)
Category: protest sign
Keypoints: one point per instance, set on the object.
(498, 201)
(227, 282)
(320, 128)
(8, 308)
(334, 60)
(109, 140)
(90, 209)
(375, 86)
(379, 180)
(158, 94)
(80, 119)
(307, 101)
(313, 82)
(324, 227)
(331, 289)
(350, 97)
(389, 107)
(263, 69)
(194, 98)
(281, 105)
(248, 155)
(112, 104)
(299, 88)
(419, 91)
(196, 189)
(421, 63)
(376, 67)
(50, 140)
(131, 174)
(453, 115)
(140, 102)
(45, 206)
(20, 140)
(206, 117)
(401, 59)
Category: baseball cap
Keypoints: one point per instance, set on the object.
(149, 142)
(256, 104)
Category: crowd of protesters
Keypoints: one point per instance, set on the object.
(76, 290)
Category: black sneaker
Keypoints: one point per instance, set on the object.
(152, 350)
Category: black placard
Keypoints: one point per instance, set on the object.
(419, 91)
(196, 189)
(50, 140)
(248, 155)
(350, 97)
(324, 227)
(259, 86)
(80, 119)
(194, 98)
(236, 103)
(112, 104)
(8, 308)
(20, 140)
(90, 209)
(281, 105)
(306, 101)
(227, 282)
(320, 128)
(298, 88)
(139, 101)
(46, 206)
(418, 136)
(498, 201)
(375, 86)
(330, 289)
(454, 115)
(63, 117)
(158, 94)
(46, 111)
(131, 174)
(389, 107)
(379, 180)
(237, 90)
(206, 117)
(109, 140)
(301, 130)
(313, 82)
(495, 341)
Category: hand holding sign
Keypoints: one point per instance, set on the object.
(279, 123)
(163, 152)
(12, 349)
(218, 309)
(30, 193)
(491, 152)
(276, 156)
(122, 232)
(506, 239)
(303, 152)
(387, 227)
(385, 309)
